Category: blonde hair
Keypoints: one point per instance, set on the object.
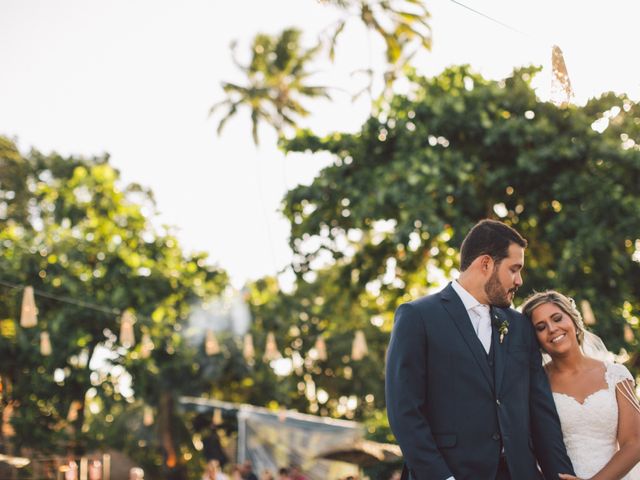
(564, 303)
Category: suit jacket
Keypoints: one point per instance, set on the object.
(452, 413)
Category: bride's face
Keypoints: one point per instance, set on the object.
(554, 328)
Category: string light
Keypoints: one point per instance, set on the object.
(248, 352)
(146, 345)
(217, 417)
(147, 416)
(127, 336)
(629, 337)
(321, 349)
(271, 349)
(29, 312)
(45, 344)
(587, 313)
(74, 408)
(211, 345)
(359, 347)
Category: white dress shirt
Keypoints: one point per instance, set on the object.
(479, 315)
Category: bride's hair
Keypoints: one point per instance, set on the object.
(564, 303)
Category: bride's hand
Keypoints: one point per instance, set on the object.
(566, 476)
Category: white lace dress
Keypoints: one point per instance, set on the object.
(590, 428)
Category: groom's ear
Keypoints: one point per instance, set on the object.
(486, 263)
(482, 265)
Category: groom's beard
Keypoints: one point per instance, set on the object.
(498, 295)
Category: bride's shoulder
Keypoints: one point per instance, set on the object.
(616, 372)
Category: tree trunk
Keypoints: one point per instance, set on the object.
(165, 417)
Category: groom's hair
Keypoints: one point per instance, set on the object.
(488, 237)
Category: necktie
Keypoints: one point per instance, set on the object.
(483, 330)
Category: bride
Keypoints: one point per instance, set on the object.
(599, 411)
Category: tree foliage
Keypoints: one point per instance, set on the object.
(389, 215)
(403, 26)
(70, 229)
(277, 77)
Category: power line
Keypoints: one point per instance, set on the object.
(64, 299)
(477, 12)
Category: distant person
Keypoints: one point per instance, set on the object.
(267, 475)
(247, 471)
(283, 474)
(236, 473)
(295, 472)
(213, 471)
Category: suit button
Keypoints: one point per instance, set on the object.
(496, 436)
(497, 402)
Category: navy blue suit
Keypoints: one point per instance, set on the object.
(455, 410)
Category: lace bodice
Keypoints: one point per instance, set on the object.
(590, 428)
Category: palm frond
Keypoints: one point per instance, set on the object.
(233, 109)
(218, 105)
(334, 40)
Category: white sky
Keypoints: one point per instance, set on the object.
(136, 79)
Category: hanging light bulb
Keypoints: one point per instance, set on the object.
(587, 313)
(359, 347)
(146, 345)
(211, 346)
(147, 416)
(7, 427)
(628, 333)
(271, 349)
(45, 344)
(321, 349)
(74, 408)
(248, 352)
(29, 312)
(217, 416)
(127, 337)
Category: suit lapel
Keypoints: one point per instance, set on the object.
(454, 306)
(497, 317)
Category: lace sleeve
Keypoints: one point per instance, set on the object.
(624, 382)
(616, 372)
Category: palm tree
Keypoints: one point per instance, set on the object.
(400, 23)
(276, 84)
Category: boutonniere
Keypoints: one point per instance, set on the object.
(503, 327)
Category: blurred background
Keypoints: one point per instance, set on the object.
(210, 211)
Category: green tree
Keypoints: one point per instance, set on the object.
(277, 83)
(321, 308)
(460, 148)
(73, 231)
(403, 25)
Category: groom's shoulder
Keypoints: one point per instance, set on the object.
(426, 301)
(513, 314)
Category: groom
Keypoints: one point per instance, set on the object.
(466, 393)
